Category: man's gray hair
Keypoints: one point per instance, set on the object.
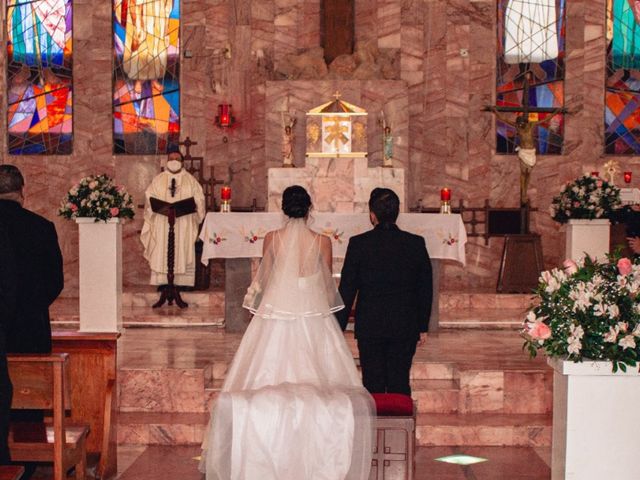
(11, 180)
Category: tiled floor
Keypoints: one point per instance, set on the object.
(512, 463)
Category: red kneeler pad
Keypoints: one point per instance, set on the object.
(393, 404)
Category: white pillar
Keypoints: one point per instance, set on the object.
(100, 275)
(595, 421)
(587, 236)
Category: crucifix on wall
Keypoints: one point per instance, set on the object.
(525, 132)
(337, 28)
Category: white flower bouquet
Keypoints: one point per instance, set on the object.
(97, 196)
(588, 310)
(587, 197)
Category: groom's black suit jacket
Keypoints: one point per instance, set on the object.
(37, 281)
(390, 272)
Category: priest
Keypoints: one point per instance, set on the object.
(173, 184)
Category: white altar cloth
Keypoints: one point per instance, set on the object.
(240, 235)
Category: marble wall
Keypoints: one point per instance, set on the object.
(444, 52)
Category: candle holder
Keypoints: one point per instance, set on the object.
(225, 197)
(445, 200)
(627, 177)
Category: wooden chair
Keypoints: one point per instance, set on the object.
(39, 383)
(11, 472)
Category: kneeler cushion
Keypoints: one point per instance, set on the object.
(393, 404)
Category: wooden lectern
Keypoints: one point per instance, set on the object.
(172, 211)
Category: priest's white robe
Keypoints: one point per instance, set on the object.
(155, 231)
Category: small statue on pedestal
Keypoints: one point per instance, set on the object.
(387, 143)
(287, 142)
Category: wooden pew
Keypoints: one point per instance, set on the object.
(92, 374)
(11, 472)
(39, 383)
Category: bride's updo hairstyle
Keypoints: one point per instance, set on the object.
(295, 202)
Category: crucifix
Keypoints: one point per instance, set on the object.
(525, 132)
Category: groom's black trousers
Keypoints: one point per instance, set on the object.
(386, 363)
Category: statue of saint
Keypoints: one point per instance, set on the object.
(387, 147)
(287, 142)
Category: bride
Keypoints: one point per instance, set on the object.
(292, 406)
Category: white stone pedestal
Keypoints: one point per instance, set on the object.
(100, 275)
(587, 236)
(595, 421)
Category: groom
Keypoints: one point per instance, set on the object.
(390, 271)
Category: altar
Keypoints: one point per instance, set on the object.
(238, 237)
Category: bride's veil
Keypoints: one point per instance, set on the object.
(293, 279)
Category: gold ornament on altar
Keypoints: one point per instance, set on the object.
(335, 125)
(611, 168)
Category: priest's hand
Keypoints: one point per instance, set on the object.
(423, 338)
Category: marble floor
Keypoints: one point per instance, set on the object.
(512, 463)
(497, 354)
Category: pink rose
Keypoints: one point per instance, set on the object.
(624, 266)
(599, 183)
(114, 211)
(570, 267)
(74, 207)
(540, 331)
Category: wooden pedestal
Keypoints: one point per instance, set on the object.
(521, 264)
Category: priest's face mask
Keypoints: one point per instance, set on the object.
(174, 162)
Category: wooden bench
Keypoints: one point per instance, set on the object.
(11, 472)
(39, 383)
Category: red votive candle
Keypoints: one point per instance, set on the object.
(627, 177)
(595, 174)
(445, 194)
(225, 193)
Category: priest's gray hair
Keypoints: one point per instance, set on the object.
(11, 180)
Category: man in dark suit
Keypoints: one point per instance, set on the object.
(7, 302)
(390, 272)
(38, 278)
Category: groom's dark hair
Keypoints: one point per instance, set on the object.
(385, 204)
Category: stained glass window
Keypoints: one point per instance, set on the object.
(622, 97)
(146, 91)
(39, 76)
(531, 43)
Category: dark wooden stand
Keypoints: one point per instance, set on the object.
(521, 264)
(170, 291)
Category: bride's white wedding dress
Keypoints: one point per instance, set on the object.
(292, 406)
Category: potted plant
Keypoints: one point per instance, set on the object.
(97, 205)
(586, 319)
(585, 205)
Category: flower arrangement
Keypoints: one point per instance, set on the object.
(587, 197)
(588, 310)
(98, 197)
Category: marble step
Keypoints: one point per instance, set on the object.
(145, 428)
(454, 300)
(147, 295)
(499, 429)
(485, 318)
(67, 316)
(431, 430)
(436, 396)
(166, 390)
